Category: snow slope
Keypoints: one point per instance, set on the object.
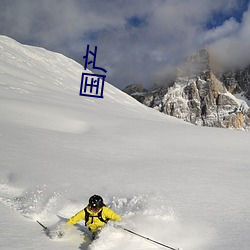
(176, 183)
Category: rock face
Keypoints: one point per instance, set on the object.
(137, 91)
(237, 81)
(202, 98)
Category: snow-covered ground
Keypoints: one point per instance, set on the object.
(181, 185)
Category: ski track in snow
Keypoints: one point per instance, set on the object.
(44, 117)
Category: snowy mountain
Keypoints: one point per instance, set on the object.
(182, 185)
(201, 96)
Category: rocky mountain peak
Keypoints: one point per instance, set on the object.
(202, 97)
(196, 64)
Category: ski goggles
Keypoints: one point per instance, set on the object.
(94, 208)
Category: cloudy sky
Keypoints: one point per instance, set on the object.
(138, 41)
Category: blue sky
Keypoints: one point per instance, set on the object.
(139, 41)
(218, 17)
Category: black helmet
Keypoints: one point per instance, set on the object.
(95, 202)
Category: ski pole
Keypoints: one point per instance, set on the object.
(45, 228)
(146, 238)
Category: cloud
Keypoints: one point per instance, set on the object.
(233, 49)
(138, 41)
(228, 28)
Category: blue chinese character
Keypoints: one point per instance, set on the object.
(94, 61)
(91, 81)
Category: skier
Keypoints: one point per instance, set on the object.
(95, 214)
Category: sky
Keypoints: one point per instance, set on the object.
(138, 41)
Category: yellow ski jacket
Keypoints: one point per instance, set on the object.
(94, 223)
